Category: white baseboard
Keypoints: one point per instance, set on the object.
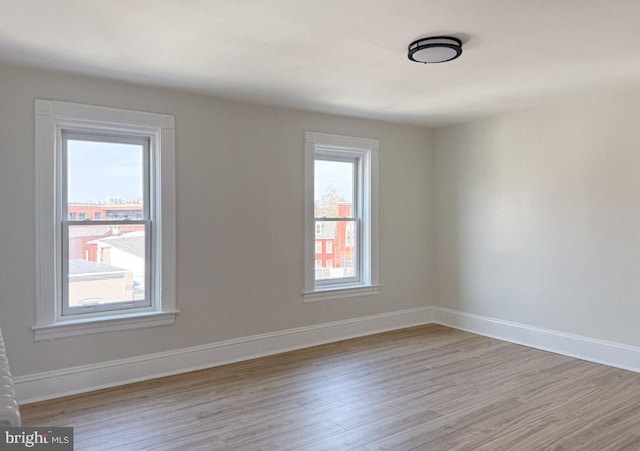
(585, 348)
(68, 381)
(54, 384)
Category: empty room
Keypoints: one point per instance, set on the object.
(320, 225)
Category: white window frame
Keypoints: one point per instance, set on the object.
(329, 247)
(365, 151)
(147, 221)
(51, 119)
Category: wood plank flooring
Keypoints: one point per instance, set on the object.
(424, 388)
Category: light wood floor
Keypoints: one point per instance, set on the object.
(425, 388)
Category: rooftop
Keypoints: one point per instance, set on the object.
(131, 243)
(77, 267)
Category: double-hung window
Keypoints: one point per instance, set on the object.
(105, 264)
(105, 219)
(341, 210)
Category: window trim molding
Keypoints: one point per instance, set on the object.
(315, 141)
(51, 117)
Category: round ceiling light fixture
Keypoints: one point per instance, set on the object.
(436, 49)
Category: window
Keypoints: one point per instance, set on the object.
(109, 268)
(114, 271)
(318, 247)
(341, 205)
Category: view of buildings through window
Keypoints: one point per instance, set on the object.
(106, 263)
(333, 209)
(105, 228)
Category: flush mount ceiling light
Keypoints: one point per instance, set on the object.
(436, 49)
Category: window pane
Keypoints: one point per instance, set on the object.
(333, 189)
(340, 238)
(104, 180)
(106, 264)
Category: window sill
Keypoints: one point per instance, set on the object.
(97, 325)
(339, 293)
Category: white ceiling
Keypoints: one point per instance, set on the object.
(337, 56)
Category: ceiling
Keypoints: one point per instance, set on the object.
(337, 56)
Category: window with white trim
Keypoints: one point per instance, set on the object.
(105, 219)
(341, 204)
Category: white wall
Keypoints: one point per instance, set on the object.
(239, 227)
(538, 216)
(126, 260)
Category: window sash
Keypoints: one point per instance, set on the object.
(67, 310)
(324, 154)
(355, 157)
(125, 306)
(143, 141)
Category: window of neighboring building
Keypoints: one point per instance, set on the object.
(112, 273)
(318, 247)
(341, 202)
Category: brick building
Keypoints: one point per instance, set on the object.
(80, 235)
(334, 245)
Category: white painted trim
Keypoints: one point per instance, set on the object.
(104, 324)
(585, 348)
(309, 217)
(51, 117)
(349, 142)
(68, 381)
(325, 295)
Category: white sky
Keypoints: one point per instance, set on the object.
(338, 174)
(98, 170)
